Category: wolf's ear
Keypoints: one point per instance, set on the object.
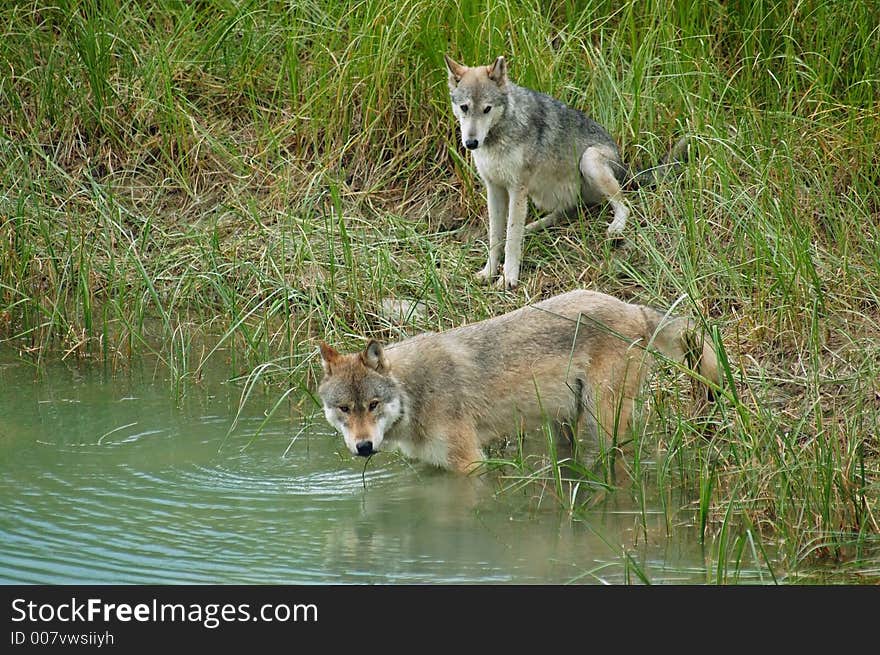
(455, 70)
(498, 71)
(374, 357)
(329, 356)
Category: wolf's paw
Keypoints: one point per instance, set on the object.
(506, 283)
(532, 227)
(615, 229)
(485, 275)
(615, 233)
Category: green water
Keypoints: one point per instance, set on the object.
(108, 478)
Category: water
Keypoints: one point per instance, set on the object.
(106, 478)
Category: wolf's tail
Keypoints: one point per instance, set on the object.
(672, 160)
(684, 340)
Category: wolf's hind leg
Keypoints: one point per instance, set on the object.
(596, 168)
(585, 420)
(550, 219)
(564, 433)
(581, 429)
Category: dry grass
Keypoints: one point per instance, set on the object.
(176, 173)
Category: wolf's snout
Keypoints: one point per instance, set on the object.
(365, 448)
(471, 144)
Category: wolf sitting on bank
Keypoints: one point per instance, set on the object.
(526, 144)
(577, 360)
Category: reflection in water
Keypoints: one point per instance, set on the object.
(107, 480)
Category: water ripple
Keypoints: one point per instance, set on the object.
(109, 483)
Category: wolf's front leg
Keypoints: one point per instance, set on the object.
(516, 220)
(463, 447)
(497, 199)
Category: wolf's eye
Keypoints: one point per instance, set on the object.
(487, 109)
(343, 409)
(464, 109)
(373, 405)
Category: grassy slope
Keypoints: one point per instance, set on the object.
(270, 172)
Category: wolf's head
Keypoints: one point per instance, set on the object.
(479, 98)
(360, 396)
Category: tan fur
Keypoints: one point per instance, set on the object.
(577, 359)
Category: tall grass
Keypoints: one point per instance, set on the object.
(236, 179)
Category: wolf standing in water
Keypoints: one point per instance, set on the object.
(577, 360)
(525, 145)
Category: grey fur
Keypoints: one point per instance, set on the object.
(528, 145)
